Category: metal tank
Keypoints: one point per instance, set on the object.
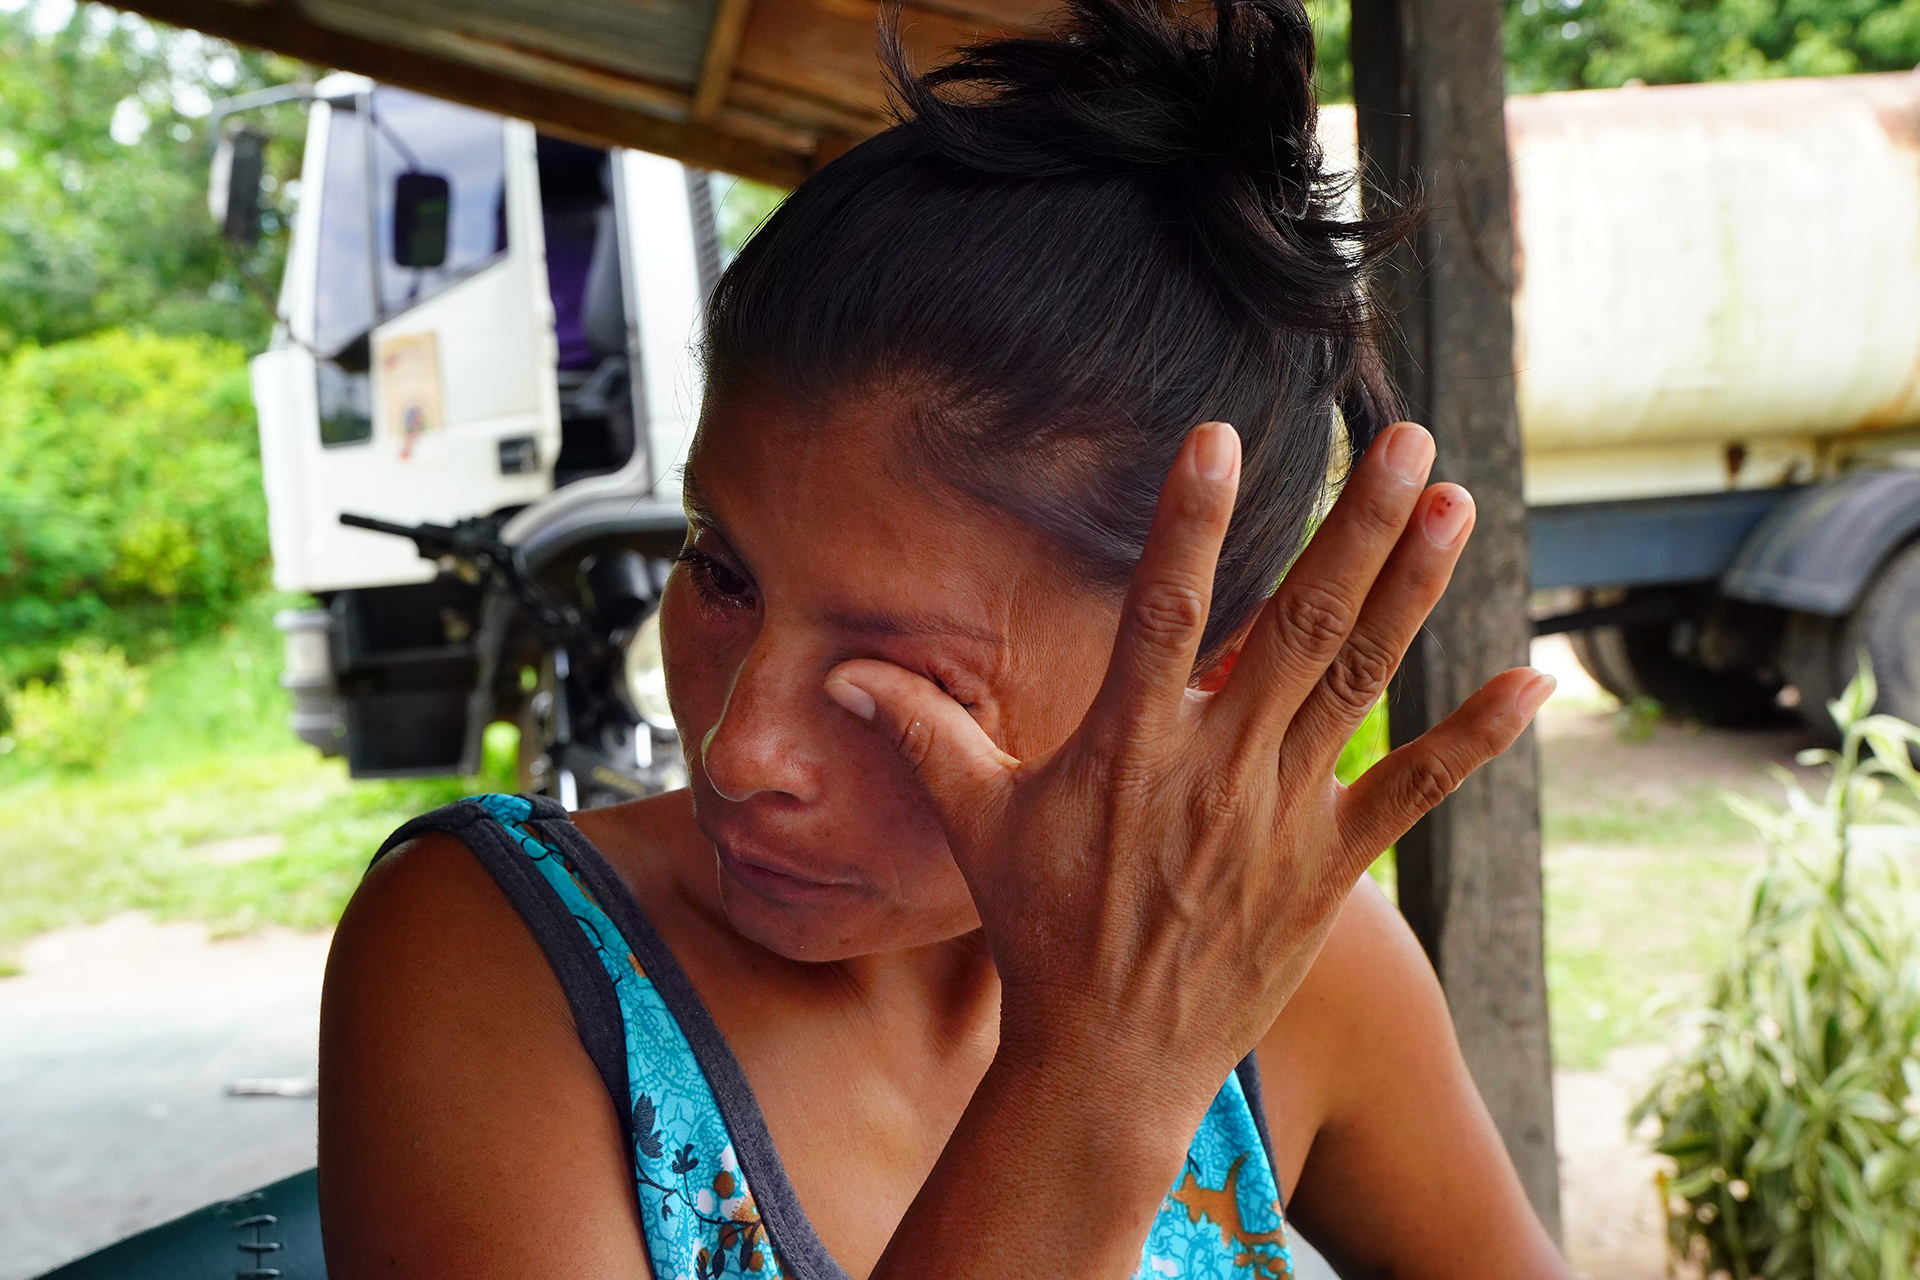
(1718, 285)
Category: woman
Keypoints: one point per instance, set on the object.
(1013, 922)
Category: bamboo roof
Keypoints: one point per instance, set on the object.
(768, 89)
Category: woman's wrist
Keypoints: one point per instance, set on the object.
(1126, 1060)
(1132, 1106)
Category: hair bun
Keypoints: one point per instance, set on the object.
(1217, 114)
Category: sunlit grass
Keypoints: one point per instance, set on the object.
(209, 759)
(1628, 931)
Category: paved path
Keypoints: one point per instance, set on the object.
(113, 1111)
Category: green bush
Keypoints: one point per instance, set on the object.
(78, 721)
(130, 499)
(1793, 1123)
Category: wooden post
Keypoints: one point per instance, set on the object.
(1429, 82)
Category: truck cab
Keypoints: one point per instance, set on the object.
(478, 320)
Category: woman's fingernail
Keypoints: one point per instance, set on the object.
(1534, 694)
(1447, 516)
(1217, 452)
(853, 698)
(1409, 452)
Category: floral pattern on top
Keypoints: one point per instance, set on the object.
(699, 1215)
(1222, 1220)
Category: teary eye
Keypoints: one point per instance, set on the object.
(717, 582)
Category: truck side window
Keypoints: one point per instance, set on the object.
(467, 149)
(343, 302)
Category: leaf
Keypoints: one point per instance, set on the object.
(644, 1135)
(1855, 702)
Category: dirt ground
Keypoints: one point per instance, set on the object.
(119, 1042)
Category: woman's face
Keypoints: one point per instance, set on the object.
(812, 542)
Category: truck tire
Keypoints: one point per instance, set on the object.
(1603, 656)
(1647, 661)
(1821, 654)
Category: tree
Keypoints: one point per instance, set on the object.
(1602, 44)
(1597, 44)
(103, 178)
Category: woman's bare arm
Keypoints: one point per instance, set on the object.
(463, 1130)
(1407, 1175)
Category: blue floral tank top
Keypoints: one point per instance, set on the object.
(714, 1198)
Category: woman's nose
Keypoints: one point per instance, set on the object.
(760, 743)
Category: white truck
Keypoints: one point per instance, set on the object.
(1718, 324)
(486, 331)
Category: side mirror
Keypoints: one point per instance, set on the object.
(233, 188)
(421, 202)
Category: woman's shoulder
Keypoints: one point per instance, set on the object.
(1369, 1000)
(1370, 1091)
(456, 1104)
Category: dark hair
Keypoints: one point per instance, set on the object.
(1070, 251)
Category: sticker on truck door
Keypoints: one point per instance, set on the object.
(410, 402)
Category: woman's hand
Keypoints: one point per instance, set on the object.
(1155, 888)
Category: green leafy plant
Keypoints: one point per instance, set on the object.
(1792, 1123)
(131, 509)
(79, 720)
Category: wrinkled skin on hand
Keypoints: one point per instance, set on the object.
(1157, 886)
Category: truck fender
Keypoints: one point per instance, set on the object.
(1817, 550)
(655, 527)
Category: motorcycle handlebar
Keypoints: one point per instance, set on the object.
(433, 540)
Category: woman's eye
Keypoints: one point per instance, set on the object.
(714, 579)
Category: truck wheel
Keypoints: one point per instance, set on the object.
(1603, 655)
(1821, 654)
(1651, 661)
(1722, 699)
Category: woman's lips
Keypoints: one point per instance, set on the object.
(761, 875)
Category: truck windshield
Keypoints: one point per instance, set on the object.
(415, 134)
(343, 300)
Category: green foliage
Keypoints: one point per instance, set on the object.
(1597, 44)
(130, 499)
(77, 721)
(1602, 44)
(99, 230)
(742, 206)
(1636, 719)
(1367, 747)
(1793, 1123)
(1333, 66)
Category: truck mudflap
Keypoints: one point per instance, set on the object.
(1816, 551)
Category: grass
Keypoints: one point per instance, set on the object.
(209, 758)
(1698, 817)
(1646, 868)
(1629, 932)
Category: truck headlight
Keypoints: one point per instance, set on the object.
(647, 675)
